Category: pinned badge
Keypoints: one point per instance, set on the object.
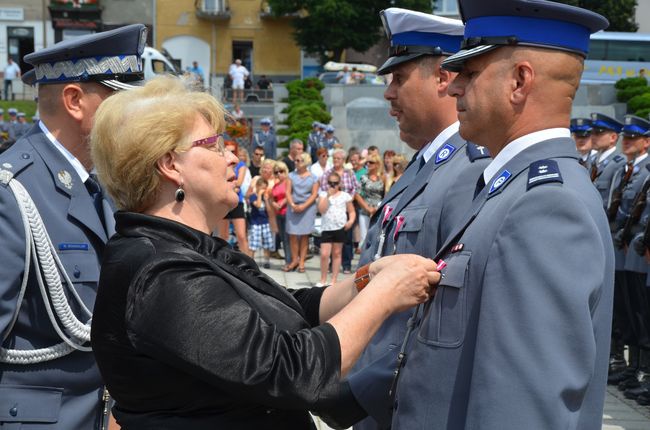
(498, 182)
(457, 248)
(66, 178)
(445, 153)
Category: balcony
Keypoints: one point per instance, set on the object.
(212, 10)
(267, 12)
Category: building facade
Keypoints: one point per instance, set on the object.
(216, 32)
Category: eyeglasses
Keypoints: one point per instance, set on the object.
(332, 184)
(259, 154)
(277, 172)
(212, 143)
(298, 161)
(371, 162)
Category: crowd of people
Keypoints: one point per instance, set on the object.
(488, 270)
(296, 206)
(14, 127)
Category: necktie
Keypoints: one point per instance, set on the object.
(480, 184)
(95, 191)
(415, 157)
(422, 163)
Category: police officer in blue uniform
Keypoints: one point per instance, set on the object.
(329, 140)
(54, 223)
(265, 138)
(604, 137)
(437, 188)
(512, 339)
(314, 140)
(628, 194)
(581, 132)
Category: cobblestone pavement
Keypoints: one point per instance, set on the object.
(620, 413)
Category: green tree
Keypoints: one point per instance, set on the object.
(620, 13)
(329, 27)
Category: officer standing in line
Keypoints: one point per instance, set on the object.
(48, 374)
(265, 138)
(313, 140)
(581, 132)
(21, 127)
(437, 188)
(604, 136)
(629, 189)
(329, 140)
(641, 246)
(512, 339)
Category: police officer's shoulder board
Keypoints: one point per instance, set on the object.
(618, 158)
(476, 152)
(13, 162)
(543, 172)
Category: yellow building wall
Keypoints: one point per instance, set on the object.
(274, 50)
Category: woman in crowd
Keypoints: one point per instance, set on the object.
(302, 191)
(187, 332)
(238, 215)
(337, 218)
(388, 165)
(279, 207)
(371, 191)
(321, 164)
(399, 166)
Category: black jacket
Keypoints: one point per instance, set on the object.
(189, 334)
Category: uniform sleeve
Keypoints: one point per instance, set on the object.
(12, 256)
(190, 318)
(545, 304)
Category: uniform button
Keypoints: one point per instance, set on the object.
(367, 244)
(25, 156)
(13, 411)
(76, 272)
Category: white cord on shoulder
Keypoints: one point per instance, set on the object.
(39, 247)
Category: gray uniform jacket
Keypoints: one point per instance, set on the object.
(66, 393)
(629, 261)
(606, 170)
(268, 141)
(638, 231)
(431, 204)
(513, 339)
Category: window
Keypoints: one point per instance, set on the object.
(446, 7)
(214, 5)
(619, 50)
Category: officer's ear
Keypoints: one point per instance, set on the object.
(444, 79)
(72, 95)
(521, 82)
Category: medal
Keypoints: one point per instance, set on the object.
(400, 222)
(382, 236)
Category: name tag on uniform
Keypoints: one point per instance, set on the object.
(73, 247)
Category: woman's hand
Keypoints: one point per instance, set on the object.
(348, 225)
(403, 280)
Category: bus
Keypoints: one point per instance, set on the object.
(613, 56)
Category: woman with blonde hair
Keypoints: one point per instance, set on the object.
(187, 332)
(302, 191)
(399, 166)
(371, 191)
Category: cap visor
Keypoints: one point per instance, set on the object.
(119, 86)
(387, 67)
(455, 62)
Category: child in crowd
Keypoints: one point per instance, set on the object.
(259, 234)
(338, 216)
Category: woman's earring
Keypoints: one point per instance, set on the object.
(179, 194)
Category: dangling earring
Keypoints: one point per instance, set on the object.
(180, 193)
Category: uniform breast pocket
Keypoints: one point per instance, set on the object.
(81, 266)
(23, 407)
(445, 317)
(412, 230)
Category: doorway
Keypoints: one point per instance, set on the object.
(243, 50)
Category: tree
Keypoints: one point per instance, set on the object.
(620, 13)
(329, 27)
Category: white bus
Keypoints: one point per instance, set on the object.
(613, 56)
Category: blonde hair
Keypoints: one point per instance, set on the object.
(306, 159)
(281, 165)
(399, 162)
(380, 163)
(134, 129)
